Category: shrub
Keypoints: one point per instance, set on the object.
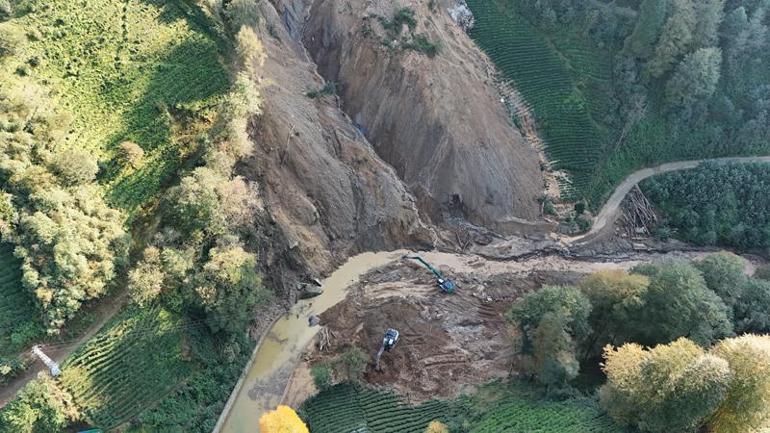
(437, 427)
(353, 362)
(130, 153)
(322, 376)
(11, 39)
(75, 166)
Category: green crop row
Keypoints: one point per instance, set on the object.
(346, 409)
(520, 414)
(557, 81)
(129, 366)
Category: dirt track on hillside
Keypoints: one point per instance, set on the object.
(610, 211)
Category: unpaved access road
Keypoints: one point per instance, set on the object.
(609, 212)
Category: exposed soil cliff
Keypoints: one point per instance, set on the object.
(325, 190)
(436, 118)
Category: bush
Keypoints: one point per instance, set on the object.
(11, 39)
(130, 153)
(75, 166)
(437, 427)
(322, 376)
(40, 407)
(353, 362)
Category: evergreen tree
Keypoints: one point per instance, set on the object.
(676, 38)
(695, 78)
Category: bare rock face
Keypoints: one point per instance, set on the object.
(326, 191)
(436, 118)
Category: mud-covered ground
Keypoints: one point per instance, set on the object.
(448, 343)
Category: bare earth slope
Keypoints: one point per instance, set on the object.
(323, 185)
(438, 121)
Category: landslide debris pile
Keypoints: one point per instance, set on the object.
(448, 342)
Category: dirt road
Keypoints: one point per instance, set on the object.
(609, 212)
(59, 352)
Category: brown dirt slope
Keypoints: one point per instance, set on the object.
(327, 193)
(437, 120)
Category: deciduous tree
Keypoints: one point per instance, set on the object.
(282, 420)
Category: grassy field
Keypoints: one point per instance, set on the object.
(144, 71)
(561, 79)
(18, 314)
(494, 409)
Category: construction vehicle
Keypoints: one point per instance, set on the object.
(445, 284)
(388, 341)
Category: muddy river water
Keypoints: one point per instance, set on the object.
(264, 382)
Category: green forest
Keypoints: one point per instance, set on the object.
(715, 204)
(616, 86)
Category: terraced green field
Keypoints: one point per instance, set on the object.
(516, 414)
(132, 364)
(17, 310)
(345, 409)
(558, 80)
(147, 71)
(495, 408)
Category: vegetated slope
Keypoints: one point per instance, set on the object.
(16, 307)
(562, 109)
(135, 70)
(131, 364)
(423, 94)
(345, 408)
(638, 94)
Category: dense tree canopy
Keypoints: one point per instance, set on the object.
(670, 388)
(678, 303)
(41, 407)
(70, 241)
(553, 321)
(716, 204)
(680, 387)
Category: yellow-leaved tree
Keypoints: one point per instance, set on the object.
(282, 420)
(437, 427)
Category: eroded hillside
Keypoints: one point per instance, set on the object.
(424, 95)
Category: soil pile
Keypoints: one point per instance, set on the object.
(437, 120)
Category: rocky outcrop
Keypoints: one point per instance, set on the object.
(436, 119)
(327, 194)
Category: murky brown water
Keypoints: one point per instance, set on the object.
(275, 358)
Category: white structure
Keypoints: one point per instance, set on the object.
(50, 363)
